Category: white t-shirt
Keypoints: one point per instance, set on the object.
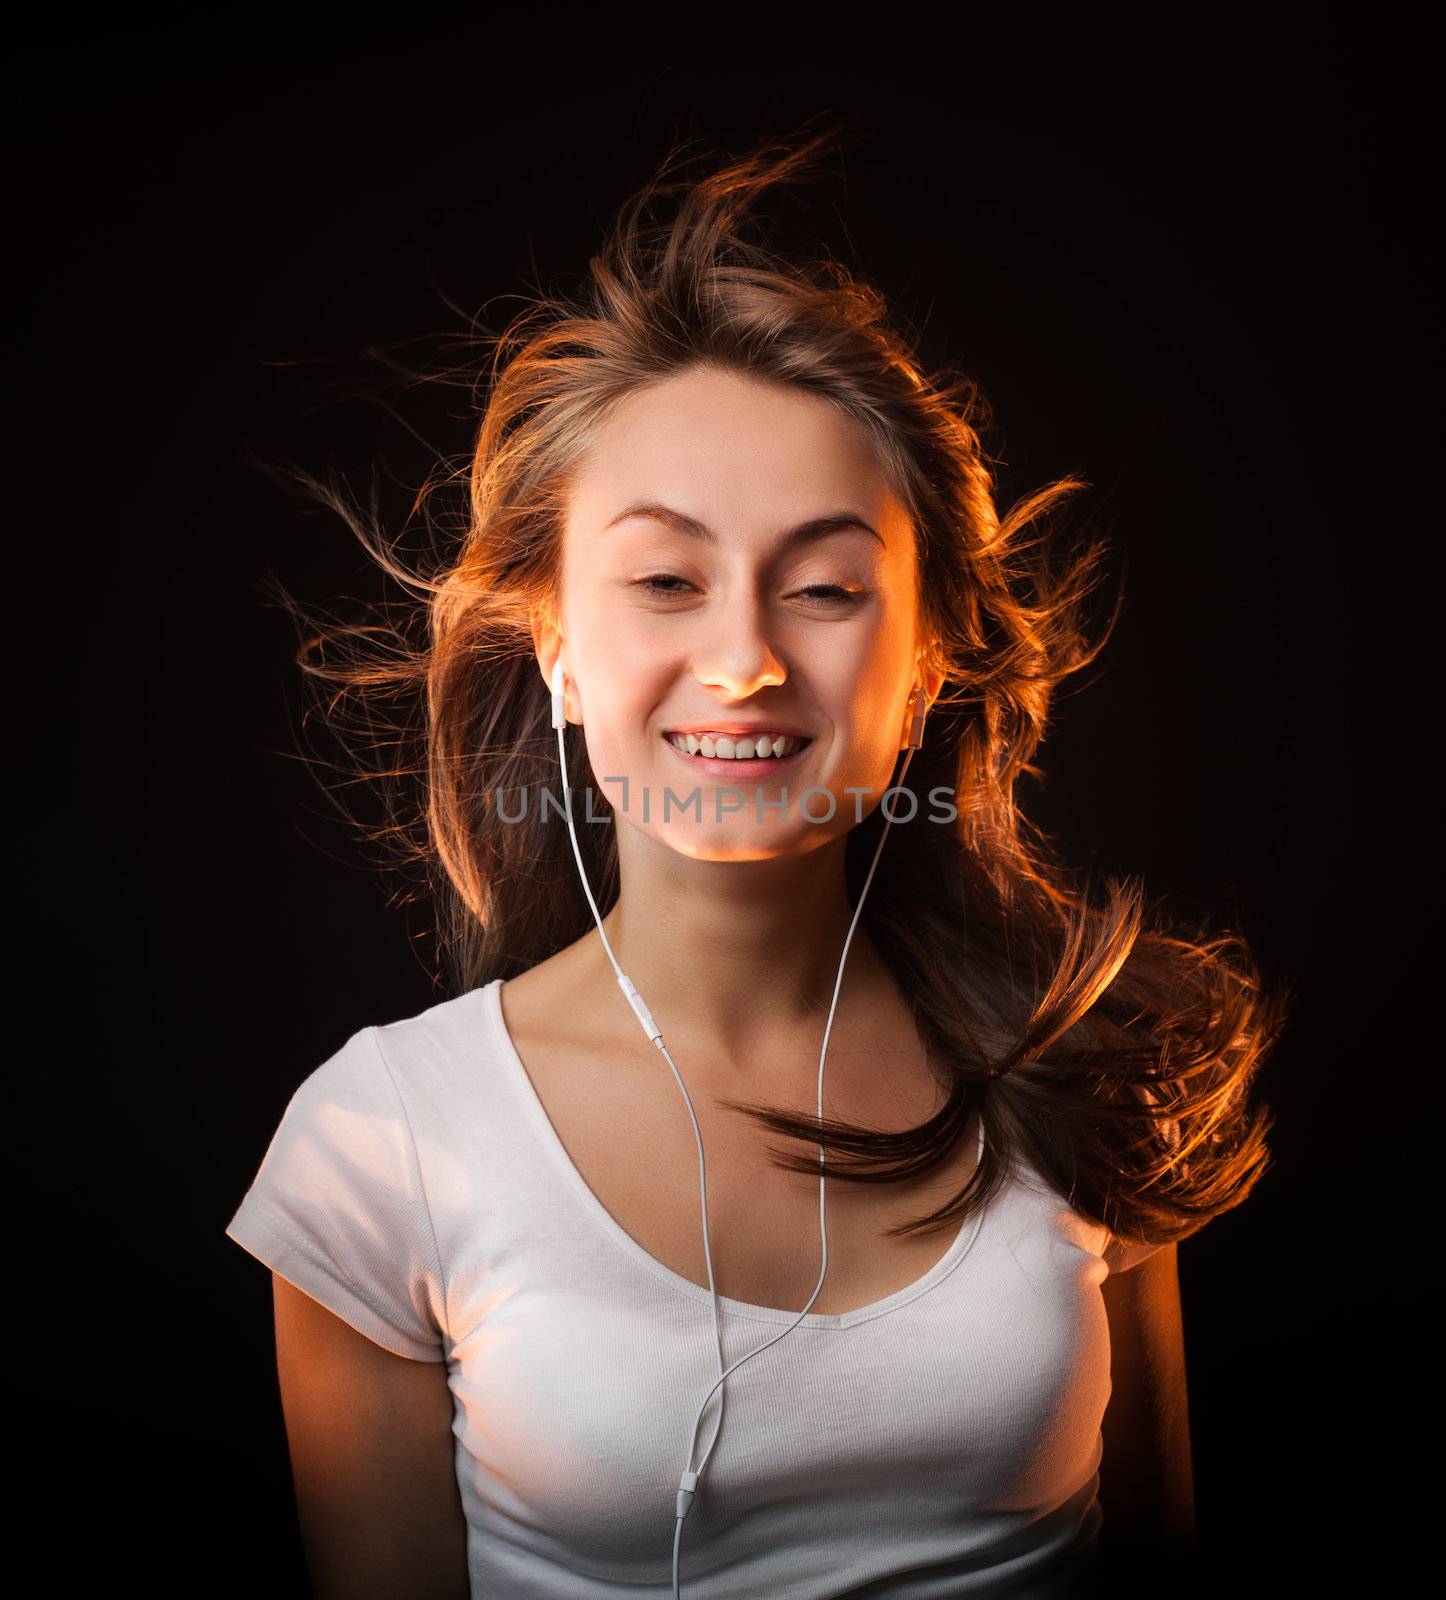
(944, 1441)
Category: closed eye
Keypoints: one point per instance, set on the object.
(827, 594)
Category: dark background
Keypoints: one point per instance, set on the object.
(1179, 266)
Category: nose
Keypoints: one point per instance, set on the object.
(737, 657)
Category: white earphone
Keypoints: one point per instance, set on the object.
(689, 1482)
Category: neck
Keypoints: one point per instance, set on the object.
(737, 957)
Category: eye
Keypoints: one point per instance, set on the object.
(825, 594)
(834, 594)
(653, 584)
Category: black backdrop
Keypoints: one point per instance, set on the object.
(1177, 267)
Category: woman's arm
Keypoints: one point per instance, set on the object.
(1147, 1484)
(370, 1436)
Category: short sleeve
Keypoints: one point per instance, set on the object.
(337, 1206)
(1120, 1255)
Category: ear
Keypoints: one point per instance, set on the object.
(547, 644)
(931, 679)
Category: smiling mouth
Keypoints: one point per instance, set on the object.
(708, 747)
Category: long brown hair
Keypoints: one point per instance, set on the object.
(1111, 1048)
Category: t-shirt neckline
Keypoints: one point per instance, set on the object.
(603, 1219)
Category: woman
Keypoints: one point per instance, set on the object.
(721, 503)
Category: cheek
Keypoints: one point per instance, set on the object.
(617, 663)
(864, 750)
(866, 705)
(620, 707)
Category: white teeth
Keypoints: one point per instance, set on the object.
(726, 748)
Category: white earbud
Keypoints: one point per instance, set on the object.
(921, 710)
(559, 715)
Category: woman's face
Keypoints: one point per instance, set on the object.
(713, 611)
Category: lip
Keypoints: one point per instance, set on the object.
(744, 730)
(730, 766)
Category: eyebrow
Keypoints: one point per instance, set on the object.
(680, 522)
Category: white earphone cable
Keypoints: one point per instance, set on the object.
(689, 1481)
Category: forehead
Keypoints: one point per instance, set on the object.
(739, 454)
